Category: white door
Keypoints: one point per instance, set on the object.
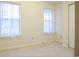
(71, 25)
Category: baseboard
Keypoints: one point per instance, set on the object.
(65, 45)
(58, 38)
(19, 46)
(24, 45)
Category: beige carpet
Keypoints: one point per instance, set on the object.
(53, 49)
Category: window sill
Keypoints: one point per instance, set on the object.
(11, 36)
(49, 33)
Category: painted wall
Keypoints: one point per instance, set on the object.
(59, 22)
(32, 26)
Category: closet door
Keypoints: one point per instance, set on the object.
(71, 25)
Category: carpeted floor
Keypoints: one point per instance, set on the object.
(53, 49)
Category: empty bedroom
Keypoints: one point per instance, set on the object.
(37, 28)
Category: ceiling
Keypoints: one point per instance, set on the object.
(54, 1)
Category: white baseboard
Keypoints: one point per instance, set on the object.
(19, 46)
(24, 45)
(65, 45)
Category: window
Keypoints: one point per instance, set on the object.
(9, 19)
(49, 21)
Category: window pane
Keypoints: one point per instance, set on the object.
(48, 26)
(16, 12)
(45, 27)
(5, 27)
(51, 27)
(15, 27)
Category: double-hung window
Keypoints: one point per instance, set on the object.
(49, 21)
(9, 19)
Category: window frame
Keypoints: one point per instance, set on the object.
(50, 33)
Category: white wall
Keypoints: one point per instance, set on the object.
(32, 25)
(59, 22)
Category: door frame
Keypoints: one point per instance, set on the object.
(69, 22)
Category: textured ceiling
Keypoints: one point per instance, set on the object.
(54, 1)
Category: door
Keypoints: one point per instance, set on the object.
(71, 25)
